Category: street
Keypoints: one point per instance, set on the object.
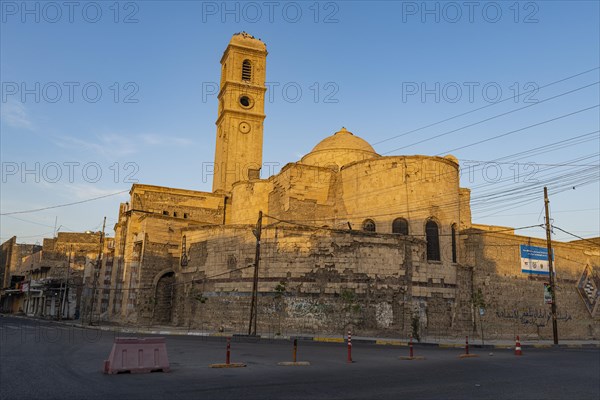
(46, 360)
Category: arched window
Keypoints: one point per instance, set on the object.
(368, 225)
(453, 227)
(433, 241)
(400, 225)
(247, 71)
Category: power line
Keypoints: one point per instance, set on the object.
(541, 164)
(553, 212)
(491, 118)
(347, 230)
(519, 130)
(546, 148)
(368, 146)
(452, 172)
(64, 205)
(31, 222)
(484, 107)
(574, 235)
(505, 134)
(564, 180)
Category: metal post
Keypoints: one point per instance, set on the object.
(467, 346)
(550, 267)
(481, 327)
(228, 356)
(295, 349)
(349, 347)
(410, 347)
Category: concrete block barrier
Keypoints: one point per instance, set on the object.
(137, 355)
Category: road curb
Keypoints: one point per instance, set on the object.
(390, 342)
(328, 340)
(323, 339)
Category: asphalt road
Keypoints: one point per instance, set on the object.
(44, 360)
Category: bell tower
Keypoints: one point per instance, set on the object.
(238, 152)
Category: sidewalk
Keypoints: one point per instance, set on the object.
(438, 342)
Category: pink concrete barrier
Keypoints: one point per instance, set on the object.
(137, 355)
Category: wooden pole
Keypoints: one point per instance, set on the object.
(254, 305)
(550, 267)
(96, 272)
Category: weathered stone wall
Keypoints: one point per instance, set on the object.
(81, 248)
(303, 192)
(416, 188)
(8, 261)
(150, 255)
(322, 280)
(148, 226)
(314, 281)
(178, 203)
(514, 301)
(248, 198)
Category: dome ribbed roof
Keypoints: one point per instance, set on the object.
(340, 149)
(345, 140)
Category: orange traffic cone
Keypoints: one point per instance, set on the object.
(518, 351)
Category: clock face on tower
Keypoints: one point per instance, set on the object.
(244, 127)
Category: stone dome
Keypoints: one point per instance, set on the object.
(339, 149)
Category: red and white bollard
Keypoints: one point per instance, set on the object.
(466, 354)
(228, 356)
(349, 346)
(411, 353)
(518, 351)
(228, 363)
(295, 350)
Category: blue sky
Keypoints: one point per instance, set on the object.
(362, 65)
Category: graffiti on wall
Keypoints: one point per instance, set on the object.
(306, 308)
(537, 317)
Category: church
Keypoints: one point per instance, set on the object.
(343, 238)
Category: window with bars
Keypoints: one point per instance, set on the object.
(369, 225)
(247, 71)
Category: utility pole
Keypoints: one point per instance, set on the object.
(66, 280)
(29, 286)
(254, 306)
(550, 267)
(96, 272)
(28, 295)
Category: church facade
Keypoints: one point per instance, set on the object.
(343, 238)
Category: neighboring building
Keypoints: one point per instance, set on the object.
(348, 239)
(49, 280)
(11, 273)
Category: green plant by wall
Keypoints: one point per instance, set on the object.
(350, 300)
(415, 326)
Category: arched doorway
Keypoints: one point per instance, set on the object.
(165, 290)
